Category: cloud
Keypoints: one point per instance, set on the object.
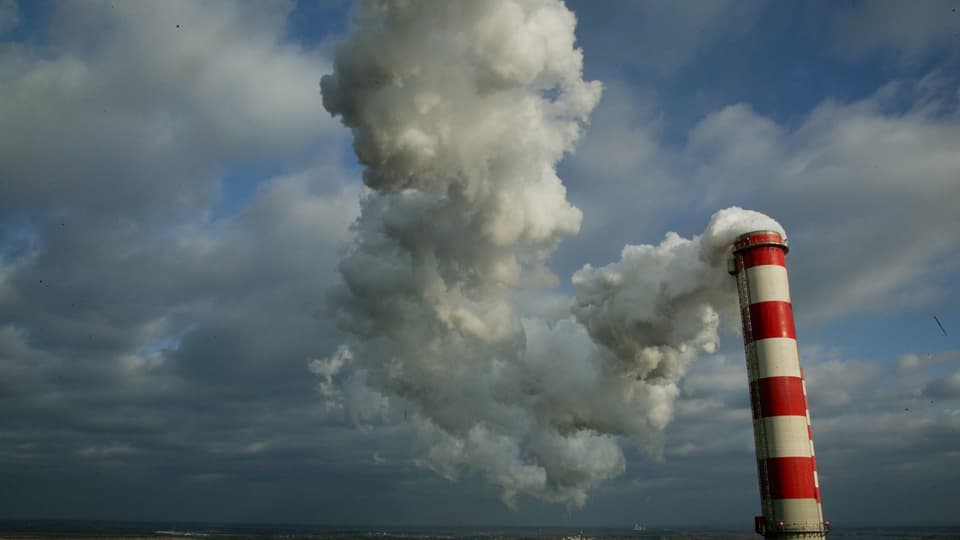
(838, 175)
(9, 16)
(867, 417)
(665, 37)
(859, 185)
(168, 91)
(911, 362)
(101, 452)
(835, 175)
(910, 32)
(944, 387)
(172, 206)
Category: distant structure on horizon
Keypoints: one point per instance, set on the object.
(786, 465)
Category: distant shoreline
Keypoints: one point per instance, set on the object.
(126, 530)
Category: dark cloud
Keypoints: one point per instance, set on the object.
(873, 429)
(944, 387)
(158, 308)
(144, 340)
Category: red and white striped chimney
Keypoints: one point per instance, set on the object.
(789, 487)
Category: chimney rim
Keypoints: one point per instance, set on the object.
(743, 242)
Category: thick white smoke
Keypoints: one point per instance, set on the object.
(459, 112)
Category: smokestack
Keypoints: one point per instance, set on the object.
(787, 469)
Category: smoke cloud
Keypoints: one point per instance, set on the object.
(460, 112)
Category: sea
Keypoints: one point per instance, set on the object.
(70, 529)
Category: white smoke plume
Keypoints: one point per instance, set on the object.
(460, 112)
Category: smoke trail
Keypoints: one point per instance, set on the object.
(459, 113)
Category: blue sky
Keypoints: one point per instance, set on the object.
(175, 201)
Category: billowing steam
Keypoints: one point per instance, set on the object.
(459, 113)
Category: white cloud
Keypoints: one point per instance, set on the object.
(141, 113)
(877, 177)
(912, 362)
